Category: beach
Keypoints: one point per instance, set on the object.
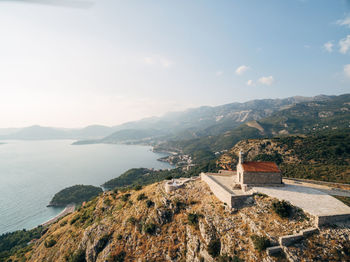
(69, 209)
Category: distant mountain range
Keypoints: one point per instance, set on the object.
(260, 117)
(46, 133)
(200, 122)
(314, 116)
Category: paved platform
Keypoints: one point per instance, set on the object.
(227, 182)
(311, 200)
(323, 188)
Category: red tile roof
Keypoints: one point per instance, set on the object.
(263, 167)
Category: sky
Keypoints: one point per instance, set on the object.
(116, 61)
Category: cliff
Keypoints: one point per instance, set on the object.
(189, 224)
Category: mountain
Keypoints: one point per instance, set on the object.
(202, 121)
(302, 118)
(37, 132)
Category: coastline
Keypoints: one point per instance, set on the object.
(68, 209)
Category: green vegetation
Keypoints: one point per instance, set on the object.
(282, 208)
(150, 228)
(75, 194)
(193, 219)
(141, 197)
(260, 242)
(226, 258)
(50, 243)
(119, 257)
(149, 203)
(132, 220)
(10, 243)
(85, 216)
(77, 256)
(214, 247)
(125, 197)
(143, 176)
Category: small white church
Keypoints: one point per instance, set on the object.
(250, 174)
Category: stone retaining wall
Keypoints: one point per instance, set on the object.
(219, 190)
(324, 220)
(223, 193)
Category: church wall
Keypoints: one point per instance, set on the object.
(262, 178)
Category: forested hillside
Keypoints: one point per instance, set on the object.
(324, 157)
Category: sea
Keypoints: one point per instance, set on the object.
(31, 172)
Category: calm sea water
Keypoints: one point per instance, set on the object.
(31, 172)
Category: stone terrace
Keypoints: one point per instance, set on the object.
(319, 204)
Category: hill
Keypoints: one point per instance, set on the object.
(75, 194)
(189, 225)
(324, 156)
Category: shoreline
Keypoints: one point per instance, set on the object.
(68, 209)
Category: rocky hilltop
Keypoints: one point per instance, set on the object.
(189, 224)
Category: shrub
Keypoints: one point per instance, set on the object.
(119, 237)
(226, 258)
(149, 228)
(141, 197)
(50, 243)
(74, 219)
(115, 190)
(107, 201)
(137, 187)
(179, 205)
(214, 247)
(192, 219)
(78, 256)
(260, 242)
(119, 257)
(63, 223)
(125, 197)
(132, 220)
(149, 203)
(281, 208)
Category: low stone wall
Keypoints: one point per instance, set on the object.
(290, 239)
(219, 190)
(324, 220)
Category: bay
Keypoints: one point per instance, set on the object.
(31, 172)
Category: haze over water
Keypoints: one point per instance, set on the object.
(31, 172)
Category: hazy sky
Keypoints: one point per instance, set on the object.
(124, 60)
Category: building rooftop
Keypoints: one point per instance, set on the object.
(264, 167)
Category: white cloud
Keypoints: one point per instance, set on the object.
(328, 46)
(250, 83)
(158, 60)
(241, 70)
(347, 70)
(344, 22)
(344, 45)
(219, 73)
(266, 80)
